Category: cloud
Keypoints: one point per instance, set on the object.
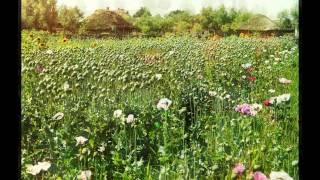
(268, 7)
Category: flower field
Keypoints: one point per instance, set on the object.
(159, 108)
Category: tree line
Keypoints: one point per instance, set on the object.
(45, 15)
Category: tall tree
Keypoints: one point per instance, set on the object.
(285, 21)
(70, 18)
(39, 14)
(143, 11)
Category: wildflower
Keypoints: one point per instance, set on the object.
(243, 77)
(284, 81)
(171, 52)
(246, 66)
(85, 175)
(266, 62)
(164, 104)
(34, 170)
(280, 99)
(280, 175)
(101, 149)
(44, 165)
(251, 78)
(140, 162)
(267, 102)
(49, 51)
(277, 59)
(117, 113)
(212, 93)
(158, 76)
(66, 86)
(227, 96)
(58, 116)
(238, 169)
(259, 176)
(80, 140)
(130, 118)
(271, 90)
(256, 107)
(248, 109)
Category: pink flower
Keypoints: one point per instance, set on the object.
(259, 176)
(239, 169)
(248, 109)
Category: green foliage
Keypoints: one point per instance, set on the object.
(285, 20)
(70, 18)
(143, 11)
(39, 14)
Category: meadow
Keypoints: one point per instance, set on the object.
(159, 108)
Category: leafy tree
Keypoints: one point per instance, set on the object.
(240, 18)
(70, 18)
(206, 19)
(285, 21)
(39, 14)
(143, 11)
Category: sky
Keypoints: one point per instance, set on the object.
(267, 7)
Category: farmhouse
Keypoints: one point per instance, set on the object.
(263, 25)
(107, 22)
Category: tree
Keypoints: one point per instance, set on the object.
(206, 20)
(179, 20)
(240, 18)
(143, 11)
(285, 21)
(39, 14)
(70, 18)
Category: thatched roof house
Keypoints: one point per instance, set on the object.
(106, 21)
(263, 25)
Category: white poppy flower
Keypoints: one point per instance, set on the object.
(85, 175)
(101, 149)
(80, 140)
(158, 76)
(33, 169)
(164, 104)
(256, 107)
(58, 116)
(246, 66)
(44, 165)
(283, 98)
(284, 81)
(280, 175)
(212, 93)
(117, 113)
(66, 86)
(243, 77)
(130, 118)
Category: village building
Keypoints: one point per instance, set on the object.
(262, 25)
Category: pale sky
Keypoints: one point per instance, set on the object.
(268, 7)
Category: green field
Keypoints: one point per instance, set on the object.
(199, 135)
